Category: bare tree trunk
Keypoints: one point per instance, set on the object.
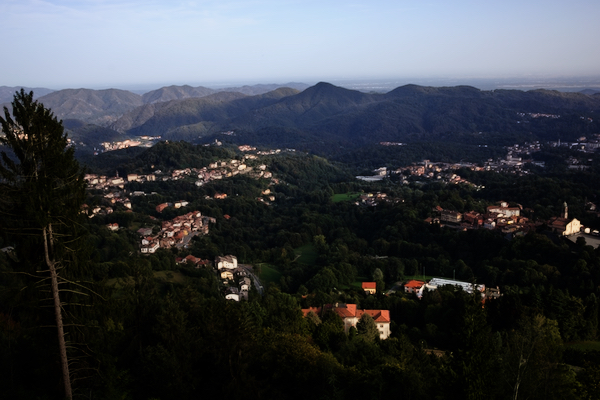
(58, 314)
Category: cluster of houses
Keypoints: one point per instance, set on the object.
(274, 151)
(146, 141)
(109, 146)
(214, 171)
(236, 279)
(103, 182)
(218, 170)
(246, 147)
(176, 232)
(114, 186)
(583, 144)
(373, 199)
(178, 204)
(227, 169)
(113, 199)
(504, 218)
(538, 115)
(114, 191)
(518, 155)
(501, 217)
(438, 171)
(392, 144)
(442, 172)
(267, 197)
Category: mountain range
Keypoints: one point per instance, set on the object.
(325, 113)
(103, 107)
(324, 116)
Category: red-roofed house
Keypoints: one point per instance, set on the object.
(179, 236)
(413, 286)
(350, 315)
(369, 287)
(161, 207)
(198, 262)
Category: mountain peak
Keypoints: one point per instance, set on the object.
(325, 90)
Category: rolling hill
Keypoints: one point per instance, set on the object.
(7, 92)
(93, 106)
(198, 115)
(169, 93)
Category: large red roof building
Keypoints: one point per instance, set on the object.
(350, 315)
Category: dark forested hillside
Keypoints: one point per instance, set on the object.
(202, 114)
(342, 117)
(327, 119)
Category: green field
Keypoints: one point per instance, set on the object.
(170, 276)
(306, 254)
(356, 285)
(584, 346)
(336, 198)
(268, 273)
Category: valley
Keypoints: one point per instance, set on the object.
(235, 253)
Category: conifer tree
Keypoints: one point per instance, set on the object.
(367, 327)
(41, 191)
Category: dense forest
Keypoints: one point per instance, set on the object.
(145, 327)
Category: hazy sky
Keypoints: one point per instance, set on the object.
(121, 43)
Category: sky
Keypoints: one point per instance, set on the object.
(133, 43)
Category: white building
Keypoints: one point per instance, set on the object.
(228, 262)
(467, 287)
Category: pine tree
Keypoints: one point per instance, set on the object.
(41, 193)
(367, 328)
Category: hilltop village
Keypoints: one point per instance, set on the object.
(113, 191)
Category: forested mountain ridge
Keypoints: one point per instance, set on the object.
(105, 106)
(173, 92)
(351, 118)
(325, 118)
(94, 106)
(206, 111)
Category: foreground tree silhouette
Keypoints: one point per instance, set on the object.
(42, 190)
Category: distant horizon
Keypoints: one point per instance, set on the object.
(560, 83)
